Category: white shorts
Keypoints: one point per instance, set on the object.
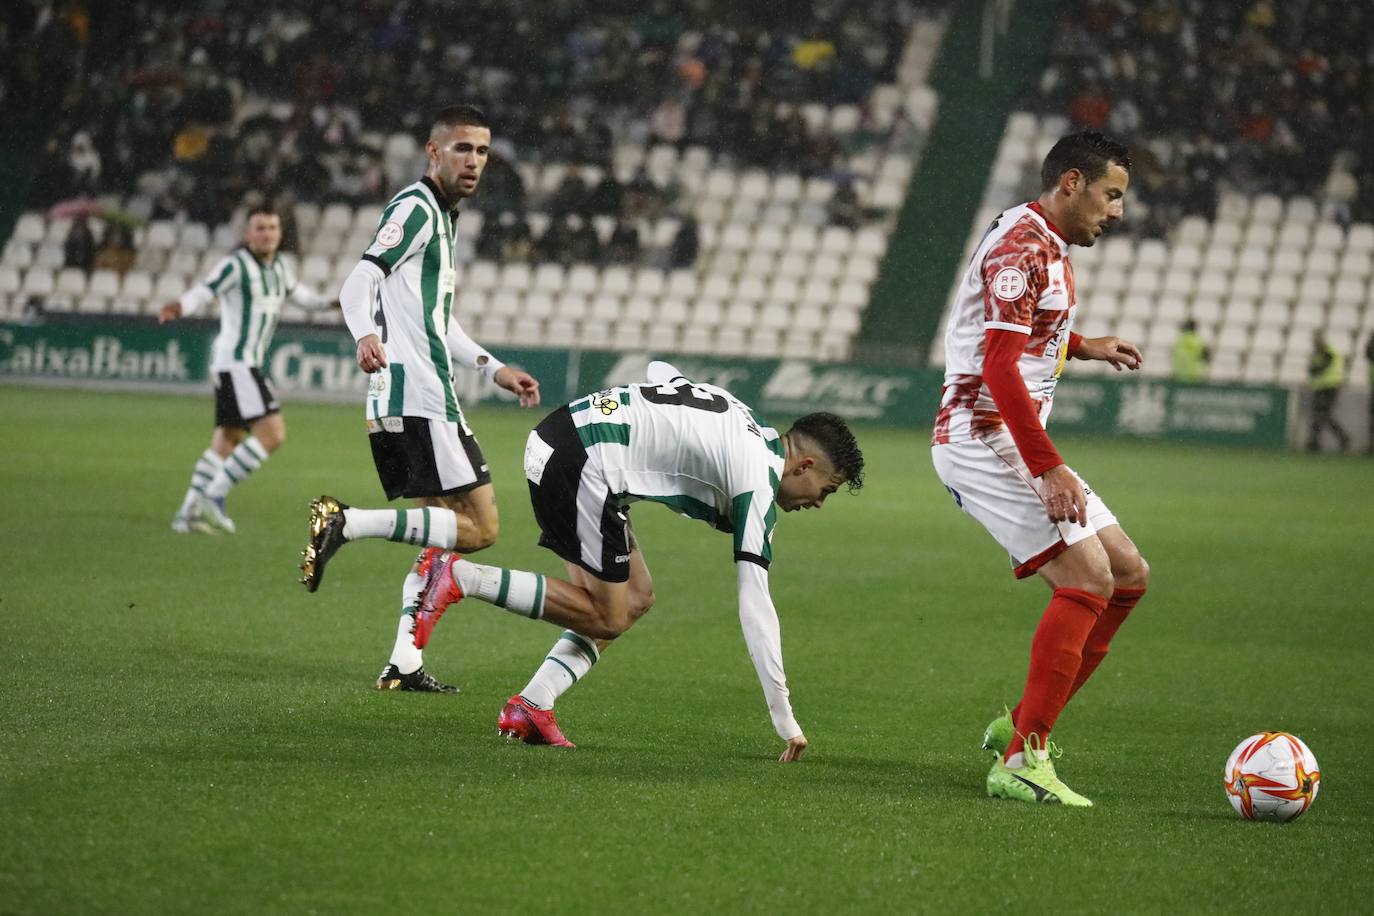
(991, 483)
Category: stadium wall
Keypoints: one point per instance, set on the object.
(312, 364)
(927, 244)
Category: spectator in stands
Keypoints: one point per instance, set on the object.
(585, 245)
(116, 250)
(79, 249)
(555, 245)
(571, 197)
(623, 247)
(1190, 355)
(1326, 374)
(844, 209)
(607, 197)
(686, 244)
(84, 160)
(517, 241)
(641, 197)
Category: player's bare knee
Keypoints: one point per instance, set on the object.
(1136, 575)
(641, 602)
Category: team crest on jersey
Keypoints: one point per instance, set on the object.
(1009, 284)
(390, 235)
(607, 405)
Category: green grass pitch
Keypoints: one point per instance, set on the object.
(184, 729)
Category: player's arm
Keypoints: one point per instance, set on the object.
(1007, 323)
(405, 230)
(759, 620)
(202, 294)
(1121, 353)
(470, 354)
(307, 297)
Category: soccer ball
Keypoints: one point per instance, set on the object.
(1271, 776)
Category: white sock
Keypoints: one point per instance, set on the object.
(242, 461)
(567, 663)
(430, 527)
(207, 467)
(1018, 760)
(404, 655)
(515, 590)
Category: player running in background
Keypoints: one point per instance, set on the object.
(1008, 337)
(251, 283)
(398, 304)
(691, 447)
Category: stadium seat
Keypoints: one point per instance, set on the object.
(1266, 209)
(537, 304)
(30, 227)
(71, 282)
(38, 281)
(50, 255)
(1240, 312)
(548, 278)
(1360, 238)
(18, 254)
(195, 237)
(169, 286)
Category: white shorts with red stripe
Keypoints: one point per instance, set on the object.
(992, 484)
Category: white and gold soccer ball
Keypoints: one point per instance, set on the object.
(1271, 776)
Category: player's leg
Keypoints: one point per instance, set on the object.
(405, 669)
(430, 457)
(574, 654)
(228, 431)
(255, 406)
(436, 462)
(1130, 579)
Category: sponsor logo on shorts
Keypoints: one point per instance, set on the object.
(390, 235)
(623, 558)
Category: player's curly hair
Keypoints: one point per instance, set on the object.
(832, 435)
(1088, 151)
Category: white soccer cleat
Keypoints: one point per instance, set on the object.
(211, 512)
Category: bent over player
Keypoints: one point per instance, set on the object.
(251, 283)
(691, 447)
(1009, 334)
(398, 304)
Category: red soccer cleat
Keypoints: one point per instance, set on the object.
(521, 719)
(441, 590)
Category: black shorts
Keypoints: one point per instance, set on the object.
(243, 395)
(418, 457)
(579, 518)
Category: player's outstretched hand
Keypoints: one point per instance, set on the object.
(795, 747)
(1122, 354)
(520, 383)
(169, 312)
(1063, 496)
(371, 354)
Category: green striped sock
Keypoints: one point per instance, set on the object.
(567, 663)
(428, 527)
(242, 461)
(515, 590)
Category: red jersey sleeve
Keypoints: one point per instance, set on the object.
(1001, 351)
(1015, 274)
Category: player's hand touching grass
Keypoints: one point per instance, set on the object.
(371, 354)
(1063, 496)
(1122, 354)
(521, 384)
(795, 747)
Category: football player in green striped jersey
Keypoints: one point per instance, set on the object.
(251, 283)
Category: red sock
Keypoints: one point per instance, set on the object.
(1095, 649)
(1056, 654)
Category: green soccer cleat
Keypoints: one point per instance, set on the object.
(1036, 781)
(997, 736)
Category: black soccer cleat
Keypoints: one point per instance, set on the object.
(326, 537)
(418, 680)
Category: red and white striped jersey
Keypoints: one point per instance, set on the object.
(1019, 280)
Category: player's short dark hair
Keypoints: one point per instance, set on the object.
(832, 435)
(261, 210)
(1088, 151)
(455, 115)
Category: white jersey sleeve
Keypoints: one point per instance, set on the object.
(224, 274)
(759, 621)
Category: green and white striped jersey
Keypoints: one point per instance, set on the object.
(695, 448)
(413, 247)
(250, 295)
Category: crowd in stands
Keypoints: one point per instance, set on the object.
(1257, 96)
(189, 108)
